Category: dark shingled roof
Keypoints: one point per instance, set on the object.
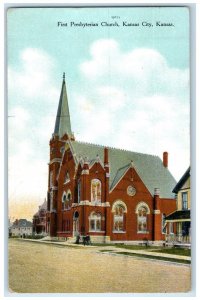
(22, 223)
(181, 182)
(41, 207)
(149, 167)
(178, 215)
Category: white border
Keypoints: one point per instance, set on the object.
(3, 150)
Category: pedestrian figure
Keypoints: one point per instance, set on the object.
(78, 239)
(88, 241)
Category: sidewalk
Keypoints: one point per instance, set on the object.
(113, 249)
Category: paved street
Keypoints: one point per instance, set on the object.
(43, 268)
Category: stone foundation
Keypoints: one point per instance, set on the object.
(100, 239)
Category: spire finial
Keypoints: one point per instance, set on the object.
(63, 75)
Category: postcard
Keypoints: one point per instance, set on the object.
(99, 150)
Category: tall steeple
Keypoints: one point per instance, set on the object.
(63, 124)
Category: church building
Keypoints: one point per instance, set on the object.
(111, 194)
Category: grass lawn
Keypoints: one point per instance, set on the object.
(155, 257)
(136, 247)
(129, 247)
(177, 251)
(101, 245)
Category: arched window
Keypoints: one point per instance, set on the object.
(95, 221)
(96, 190)
(79, 191)
(163, 223)
(64, 200)
(51, 179)
(67, 197)
(67, 178)
(119, 209)
(142, 211)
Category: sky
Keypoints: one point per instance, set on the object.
(128, 87)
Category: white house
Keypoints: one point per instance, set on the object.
(21, 228)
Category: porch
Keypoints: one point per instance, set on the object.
(178, 229)
(178, 240)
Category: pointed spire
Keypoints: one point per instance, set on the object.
(63, 124)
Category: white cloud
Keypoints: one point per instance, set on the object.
(102, 52)
(22, 116)
(145, 100)
(145, 69)
(34, 76)
(32, 101)
(111, 96)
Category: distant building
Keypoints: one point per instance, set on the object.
(179, 222)
(39, 219)
(108, 193)
(21, 228)
(9, 227)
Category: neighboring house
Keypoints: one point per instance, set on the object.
(179, 222)
(108, 193)
(21, 228)
(39, 220)
(9, 227)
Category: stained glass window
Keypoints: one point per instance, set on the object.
(67, 178)
(163, 223)
(142, 219)
(79, 191)
(51, 179)
(66, 200)
(119, 218)
(95, 221)
(96, 190)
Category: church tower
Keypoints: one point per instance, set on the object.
(62, 133)
(63, 124)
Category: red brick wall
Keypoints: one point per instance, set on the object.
(63, 223)
(142, 195)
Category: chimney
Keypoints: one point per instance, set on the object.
(156, 198)
(165, 159)
(86, 164)
(156, 191)
(106, 156)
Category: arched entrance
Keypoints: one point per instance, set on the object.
(76, 223)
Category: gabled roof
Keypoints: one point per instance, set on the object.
(149, 167)
(120, 173)
(44, 205)
(41, 207)
(22, 223)
(36, 214)
(182, 181)
(63, 124)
